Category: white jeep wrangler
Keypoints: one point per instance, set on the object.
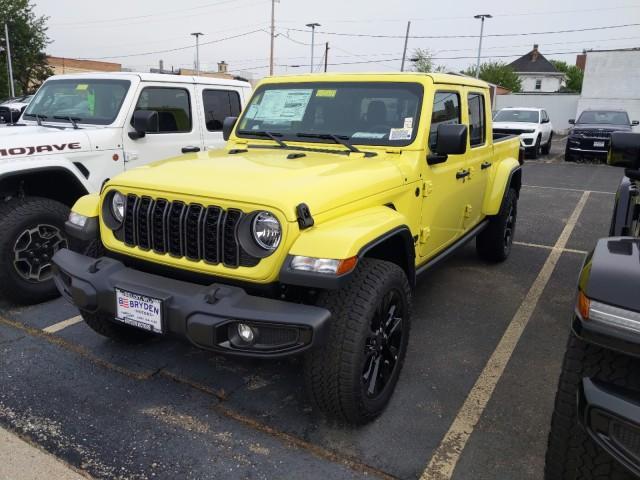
(81, 130)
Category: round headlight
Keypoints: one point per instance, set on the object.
(266, 230)
(117, 206)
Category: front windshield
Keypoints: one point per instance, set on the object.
(363, 113)
(595, 117)
(93, 101)
(527, 116)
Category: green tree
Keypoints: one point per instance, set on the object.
(422, 60)
(498, 73)
(573, 74)
(28, 37)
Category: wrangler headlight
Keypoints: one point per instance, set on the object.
(117, 206)
(266, 231)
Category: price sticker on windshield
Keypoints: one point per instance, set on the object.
(400, 133)
(326, 93)
(82, 86)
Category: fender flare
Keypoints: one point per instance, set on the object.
(508, 174)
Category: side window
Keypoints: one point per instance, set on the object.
(219, 104)
(446, 109)
(477, 125)
(545, 116)
(173, 107)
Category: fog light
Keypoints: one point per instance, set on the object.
(77, 219)
(245, 332)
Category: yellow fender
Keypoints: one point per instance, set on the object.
(345, 236)
(88, 205)
(500, 180)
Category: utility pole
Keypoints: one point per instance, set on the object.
(273, 34)
(481, 17)
(313, 39)
(406, 41)
(197, 35)
(6, 37)
(326, 56)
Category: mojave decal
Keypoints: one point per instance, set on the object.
(5, 152)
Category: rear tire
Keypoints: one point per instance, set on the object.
(31, 231)
(353, 376)
(494, 242)
(105, 325)
(571, 453)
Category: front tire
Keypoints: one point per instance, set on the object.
(547, 146)
(31, 231)
(353, 376)
(571, 453)
(535, 152)
(494, 242)
(104, 324)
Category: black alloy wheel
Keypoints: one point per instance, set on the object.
(33, 250)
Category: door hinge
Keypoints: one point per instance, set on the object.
(425, 233)
(467, 211)
(427, 188)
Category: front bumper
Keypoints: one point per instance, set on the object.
(611, 416)
(580, 145)
(207, 316)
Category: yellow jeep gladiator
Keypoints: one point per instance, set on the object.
(306, 234)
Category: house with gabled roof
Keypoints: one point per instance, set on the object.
(536, 73)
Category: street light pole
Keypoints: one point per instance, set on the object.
(273, 34)
(197, 35)
(481, 17)
(6, 37)
(313, 39)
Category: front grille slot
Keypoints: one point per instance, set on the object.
(191, 230)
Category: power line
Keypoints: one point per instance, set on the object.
(366, 35)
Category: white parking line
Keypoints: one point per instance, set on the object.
(444, 460)
(549, 247)
(56, 327)
(570, 189)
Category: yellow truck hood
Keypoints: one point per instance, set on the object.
(266, 177)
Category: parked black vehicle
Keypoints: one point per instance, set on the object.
(591, 133)
(595, 428)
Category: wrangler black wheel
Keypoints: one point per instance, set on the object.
(495, 241)
(354, 375)
(31, 232)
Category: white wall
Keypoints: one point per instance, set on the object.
(549, 83)
(612, 80)
(560, 106)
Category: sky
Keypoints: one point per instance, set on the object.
(358, 31)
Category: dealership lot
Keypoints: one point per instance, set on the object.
(167, 410)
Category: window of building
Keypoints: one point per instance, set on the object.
(538, 84)
(173, 107)
(219, 104)
(477, 125)
(446, 109)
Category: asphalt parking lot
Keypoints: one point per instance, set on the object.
(474, 400)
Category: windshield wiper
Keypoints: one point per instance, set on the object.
(73, 120)
(341, 139)
(39, 117)
(262, 133)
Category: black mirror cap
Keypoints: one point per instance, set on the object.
(145, 121)
(624, 150)
(451, 139)
(227, 126)
(634, 123)
(572, 121)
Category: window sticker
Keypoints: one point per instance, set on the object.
(408, 122)
(283, 105)
(82, 86)
(326, 93)
(400, 133)
(368, 135)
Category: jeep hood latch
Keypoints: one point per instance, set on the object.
(305, 220)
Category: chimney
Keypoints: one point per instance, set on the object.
(535, 54)
(222, 67)
(161, 66)
(581, 60)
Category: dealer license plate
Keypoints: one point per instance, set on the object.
(598, 144)
(139, 310)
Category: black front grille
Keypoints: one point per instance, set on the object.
(191, 230)
(627, 436)
(593, 133)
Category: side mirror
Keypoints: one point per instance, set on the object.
(635, 122)
(227, 126)
(144, 121)
(572, 121)
(451, 139)
(624, 150)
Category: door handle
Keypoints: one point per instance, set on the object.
(485, 165)
(190, 149)
(462, 174)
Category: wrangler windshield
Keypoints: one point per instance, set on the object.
(362, 113)
(93, 101)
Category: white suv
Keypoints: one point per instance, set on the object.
(532, 124)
